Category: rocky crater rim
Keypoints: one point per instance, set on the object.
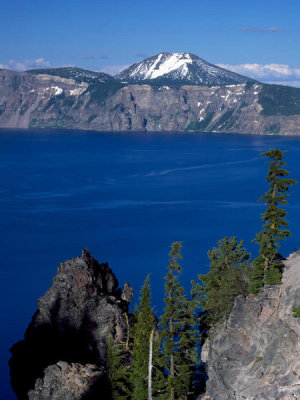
(255, 353)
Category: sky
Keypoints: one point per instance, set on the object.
(260, 39)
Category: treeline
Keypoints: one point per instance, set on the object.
(160, 358)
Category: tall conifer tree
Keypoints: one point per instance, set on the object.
(268, 265)
(178, 335)
(140, 353)
(117, 372)
(227, 278)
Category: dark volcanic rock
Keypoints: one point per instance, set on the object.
(70, 382)
(72, 321)
(255, 354)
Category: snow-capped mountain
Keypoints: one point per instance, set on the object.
(181, 68)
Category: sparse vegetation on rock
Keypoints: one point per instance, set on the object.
(268, 265)
(82, 343)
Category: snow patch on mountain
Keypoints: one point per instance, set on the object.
(172, 63)
(180, 67)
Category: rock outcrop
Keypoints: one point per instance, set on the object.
(255, 354)
(47, 101)
(71, 324)
(70, 382)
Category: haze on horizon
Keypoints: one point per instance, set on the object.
(257, 40)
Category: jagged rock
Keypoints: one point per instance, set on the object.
(69, 382)
(127, 293)
(72, 321)
(255, 354)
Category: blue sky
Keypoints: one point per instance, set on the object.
(259, 38)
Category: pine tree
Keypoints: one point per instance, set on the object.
(268, 265)
(178, 335)
(188, 349)
(118, 376)
(159, 377)
(140, 353)
(227, 278)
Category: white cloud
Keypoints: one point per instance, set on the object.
(113, 69)
(270, 73)
(272, 29)
(26, 64)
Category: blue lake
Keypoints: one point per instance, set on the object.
(125, 197)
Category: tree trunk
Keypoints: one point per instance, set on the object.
(127, 339)
(150, 365)
(172, 367)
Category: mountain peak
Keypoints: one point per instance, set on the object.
(180, 68)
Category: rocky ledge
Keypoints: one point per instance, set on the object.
(68, 382)
(69, 330)
(255, 354)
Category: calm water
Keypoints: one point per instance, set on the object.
(126, 197)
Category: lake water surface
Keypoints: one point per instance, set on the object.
(125, 197)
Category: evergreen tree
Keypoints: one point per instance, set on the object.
(268, 265)
(188, 349)
(227, 278)
(117, 372)
(178, 335)
(159, 377)
(140, 353)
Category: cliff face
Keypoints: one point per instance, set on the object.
(48, 101)
(73, 319)
(255, 355)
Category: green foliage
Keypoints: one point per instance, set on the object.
(117, 372)
(33, 122)
(201, 125)
(140, 353)
(101, 91)
(60, 104)
(227, 278)
(279, 100)
(227, 114)
(226, 121)
(101, 85)
(23, 108)
(91, 118)
(268, 265)
(155, 118)
(159, 377)
(55, 101)
(77, 74)
(79, 103)
(179, 336)
(158, 83)
(272, 128)
(2, 107)
(244, 104)
(296, 311)
(249, 84)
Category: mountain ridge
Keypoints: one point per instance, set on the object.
(170, 68)
(185, 67)
(76, 73)
(74, 98)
